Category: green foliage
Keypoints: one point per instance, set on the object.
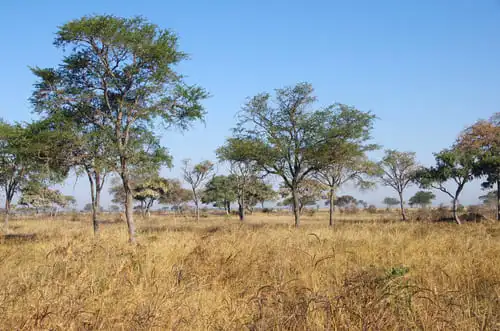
(38, 196)
(452, 164)
(346, 201)
(390, 201)
(398, 271)
(309, 193)
(286, 137)
(397, 170)
(220, 191)
(422, 198)
(489, 199)
(27, 154)
(176, 195)
(119, 79)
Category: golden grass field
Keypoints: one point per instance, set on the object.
(220, 274)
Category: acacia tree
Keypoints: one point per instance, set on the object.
(15, 163)
(397, 170)
(483, 140)
(196, 176)
(259, 192)
(176, 195)
(345, 159)
(221, 191)
(422, 198)
(451, 165)
(351, 169)
(243, 171)
(287, 136)
(148, 191)
(28, 153)
(40, 197)
(389, 201)
(119, 76)
(308, 193)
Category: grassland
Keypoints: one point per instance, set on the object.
(220, 274)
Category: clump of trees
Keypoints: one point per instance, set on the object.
(102, 110)
(422, 199)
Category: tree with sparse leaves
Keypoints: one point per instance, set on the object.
(309, 193)
(119, 76)
(196, 176)
(397, 170)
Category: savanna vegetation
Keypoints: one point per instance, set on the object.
(293, 254)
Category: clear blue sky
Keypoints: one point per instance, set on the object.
(426, 68)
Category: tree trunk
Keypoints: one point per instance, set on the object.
(229, 207)
(93, 197)
(296, 207)
(455, 214)
(7, 212)
(401, 204)
(129, 206)
(197, 209)
(331, 207)
(241, 211)
(97, 206)
(498, 200)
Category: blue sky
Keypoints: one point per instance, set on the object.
(426, 68)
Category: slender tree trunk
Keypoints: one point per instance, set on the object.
(331, 207)
(96, 210)
(241, 210)
(129, 207)
(498, 200)
(455, 214)
(401, 204)
(93, 197)
(7, 212)
(197, 209)
(296, 207)
(229, 207)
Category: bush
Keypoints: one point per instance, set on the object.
(371, 209)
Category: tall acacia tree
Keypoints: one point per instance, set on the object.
(344, 160)
(483, 140)
(397, 170)
(119, 75)
(288, 136)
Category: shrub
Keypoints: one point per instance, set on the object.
(371, 209)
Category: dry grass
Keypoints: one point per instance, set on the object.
(262, 275)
